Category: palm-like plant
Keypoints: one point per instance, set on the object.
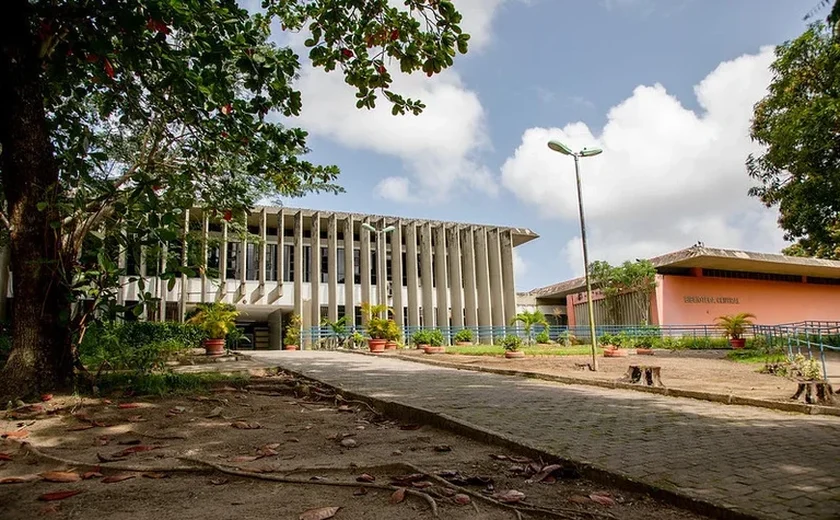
(734, 325)
(338, 331)
(528, 320)
(216, 319)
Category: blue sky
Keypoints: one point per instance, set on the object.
(664, 86)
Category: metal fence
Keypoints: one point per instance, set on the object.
(808, 338)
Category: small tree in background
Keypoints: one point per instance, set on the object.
(637, 278)
(528, 319)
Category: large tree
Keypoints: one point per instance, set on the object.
(118, 114)
(798, 123)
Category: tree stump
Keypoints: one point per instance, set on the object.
(814, 392)
(643, 375)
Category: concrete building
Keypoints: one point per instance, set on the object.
(698, 284)
(285, 260)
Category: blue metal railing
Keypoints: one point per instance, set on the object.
(804, 337)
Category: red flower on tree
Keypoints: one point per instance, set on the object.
(347, 53)
(157, 26)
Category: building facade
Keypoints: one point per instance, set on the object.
(698, 284)
(325, 265)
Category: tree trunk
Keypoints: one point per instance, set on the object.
(41, 358)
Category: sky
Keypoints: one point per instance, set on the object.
(665, 87)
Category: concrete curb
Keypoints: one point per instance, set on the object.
(416, 414)
(808, 409)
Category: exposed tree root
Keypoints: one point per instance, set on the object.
(292, 480)
(160, 437)
(99, 465)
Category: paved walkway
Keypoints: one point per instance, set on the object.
(762, 462)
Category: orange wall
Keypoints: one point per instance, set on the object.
(771, 302)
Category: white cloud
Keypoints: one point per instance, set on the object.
(520, 268)
(668, 176)
(438, 148)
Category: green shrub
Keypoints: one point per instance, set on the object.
(543, 338)
(139, 345)
(421, 337)
(464, 335)
(436, 338)
(511, 343)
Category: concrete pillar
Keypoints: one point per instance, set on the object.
(468, 266)
(426, 275)
(482, 278)
(349, 272)
(453, 246)
(381, 266)
(441, 287)
(315, 268)
(122, 263)
(182, 304)
(411, 274)
(332, 268)
(205, 233)
(243, 260)
(275, 330)
(494, 255)
(223, 260)
(364, 265)
(281, 242)
(508, 282)
(5, 262)
(397, 273)
(261, 275)
(298, 264)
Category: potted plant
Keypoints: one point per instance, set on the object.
(376, 327)
(621, 343)
(528, 320)
(216, 320)
(291, 341)
(421, 339)
(644, 346)
(512, 344)
(358, 339)
(435, 345)
(735, 325)
(463, 337)
(392, 335)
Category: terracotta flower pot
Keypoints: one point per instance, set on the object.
(644, 351)
(376, 345)
(214, 347)
(737, 343)
(390, 345)
(290, 347)
(514, 354)
(615, 352)
(434, 350)
(463, 343)
(423, 346)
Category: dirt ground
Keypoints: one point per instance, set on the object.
(698, 370)
(138, 458)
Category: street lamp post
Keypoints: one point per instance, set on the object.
(559, 147)
(381, 271)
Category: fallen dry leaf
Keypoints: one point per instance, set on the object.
(242, 425)
(118, 478)
(398, 496)
(130, 442)
(499, 457)
(136, 449)
(177, 410)
(510, 496)
(59, 495)
(79, 427)
(46, 397)
(345, 408)
(215, 412)
(360, 492)
(364, 477)
(410, 427)
(61, 476)
(155, 475)
(544, 473)
(319, 513)
(579, 499)
(105, 458)
(128, 406)
(443, 448)
(461, 499)
(404, 480)
(520, 460)
(20, 479)
(5, 456)
(602, 499)
(219, 481)
(245, 458)
(423, 484)
(18, 434)
(91, 474)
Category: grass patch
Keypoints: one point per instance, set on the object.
(166, 383)
(755, 356)
(535, 350)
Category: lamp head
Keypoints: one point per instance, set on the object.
(590, 152)
(389, 229)
(557, 146)
(368, 227)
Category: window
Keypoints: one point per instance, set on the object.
(373, 267)
(271, 263)
(339, 265)
(404, 273)
(307, 264)
(434, 272)
(252, 262)
(325, 265)
(233, 260)
(357, 267)
(388, 274)
(288, 263)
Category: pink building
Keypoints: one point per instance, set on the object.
(698, 284)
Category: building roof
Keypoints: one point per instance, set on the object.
(717, 258)
(520, 235)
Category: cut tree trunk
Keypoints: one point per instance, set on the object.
(41, 358)
(814, 392)
(643, 375)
